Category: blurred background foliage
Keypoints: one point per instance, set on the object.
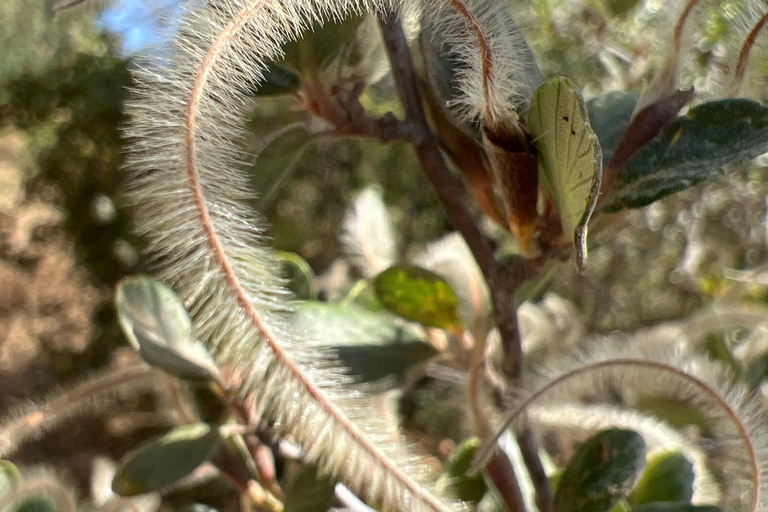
(65, 236)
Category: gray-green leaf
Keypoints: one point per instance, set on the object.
(693, 148)
(465, 487)
(570, 159)
(277, 80)
(165, 460)
(158, 327)
(372, 346)
(298, 273)
(609, 116)
(9, 476)
(278, 157)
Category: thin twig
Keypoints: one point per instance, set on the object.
(529, 450)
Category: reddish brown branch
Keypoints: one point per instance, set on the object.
(503, 280)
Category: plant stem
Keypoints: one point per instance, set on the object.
(545, 500)
(502, 280)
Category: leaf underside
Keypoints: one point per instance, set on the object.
(570, 158)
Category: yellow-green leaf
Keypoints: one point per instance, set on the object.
(668, 477)
(570, 159)
(418, 295)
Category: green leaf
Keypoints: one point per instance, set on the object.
(717, 349)
(310, 492)
(9, 476)
(570, 159)
(36, 504)
(372, 362)
(418, 295)
(693, 148)
(609, 116)
(320, 44)
(671, 506)
(601, 472)
(464, 487)
(371, 345)
(158, 327)
(668, 477)
(277, 80)
(278, 158)
(621, 7)
(165, 460)
(298, 273)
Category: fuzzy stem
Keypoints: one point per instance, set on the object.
(485, 50)
(449, 188)
(45, 416)
(749, 42)
(216, 49)
(705, 387)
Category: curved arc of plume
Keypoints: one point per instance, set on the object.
(241, 313)
(33, 420)
(230, 274)
(741, 63)
(747, 432)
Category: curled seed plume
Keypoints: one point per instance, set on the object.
(737, 420)
(189, 194)
(33, 420)
(746, 49)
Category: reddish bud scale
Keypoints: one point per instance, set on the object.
(514, 167)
